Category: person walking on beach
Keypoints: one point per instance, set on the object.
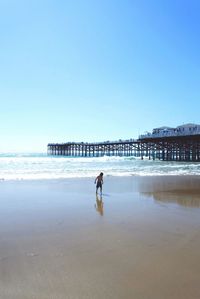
(99, 182)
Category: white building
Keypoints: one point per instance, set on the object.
(163, 131)
(188, 129)
(183, 130)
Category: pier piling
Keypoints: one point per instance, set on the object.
(176, 148)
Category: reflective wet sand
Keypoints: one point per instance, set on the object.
(140, 240)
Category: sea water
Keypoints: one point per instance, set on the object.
(22, 166)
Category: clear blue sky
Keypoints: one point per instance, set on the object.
(88, 70)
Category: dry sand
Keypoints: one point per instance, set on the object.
(57, 240)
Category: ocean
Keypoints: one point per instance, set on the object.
(28, 166)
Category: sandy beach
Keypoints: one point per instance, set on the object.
(140, 240)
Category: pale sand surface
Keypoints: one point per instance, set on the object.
(57, 241)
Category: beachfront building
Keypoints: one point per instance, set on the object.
(183, 130)
(188, 129)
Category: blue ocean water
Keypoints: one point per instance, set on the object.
(16, 166)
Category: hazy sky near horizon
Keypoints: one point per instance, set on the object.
(88, 70)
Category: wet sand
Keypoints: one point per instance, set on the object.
(140, 240)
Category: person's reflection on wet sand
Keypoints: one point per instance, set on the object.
(99, 204)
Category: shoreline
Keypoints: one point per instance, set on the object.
(153, 183)
(106, 176)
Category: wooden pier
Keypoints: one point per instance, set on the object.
(174, 148)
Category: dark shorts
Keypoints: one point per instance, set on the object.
(99, 185)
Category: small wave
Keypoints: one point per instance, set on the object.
(22, 155)
(40, 166)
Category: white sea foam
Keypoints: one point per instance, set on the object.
(41, 166)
